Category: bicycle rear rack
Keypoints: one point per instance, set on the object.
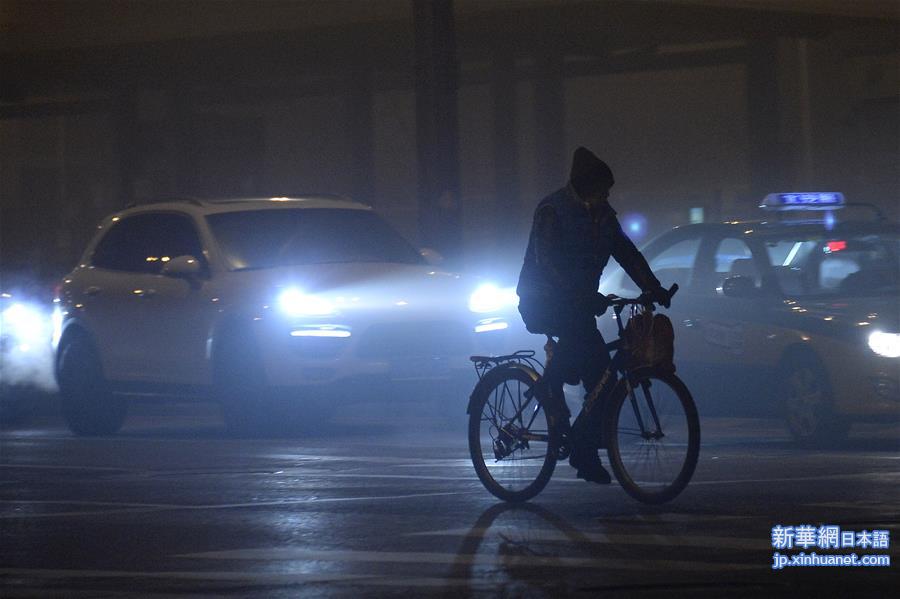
(523, 356)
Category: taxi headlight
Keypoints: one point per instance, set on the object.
(885, 344)
(490, 298)
(294, 302)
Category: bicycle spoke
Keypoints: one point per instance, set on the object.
(652, 439)
(514, 447)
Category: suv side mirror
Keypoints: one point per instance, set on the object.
(432, 256)
(182, 267)
(739, 286)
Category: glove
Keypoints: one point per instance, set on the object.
(660, 296)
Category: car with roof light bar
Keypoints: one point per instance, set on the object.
(310, 300)
(796, 316)
(815, 200)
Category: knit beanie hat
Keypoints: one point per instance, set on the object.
(589, 173)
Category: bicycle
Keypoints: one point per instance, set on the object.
(652, 437)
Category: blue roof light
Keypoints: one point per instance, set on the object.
(806, 200)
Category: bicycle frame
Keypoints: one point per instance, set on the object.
(619, 364)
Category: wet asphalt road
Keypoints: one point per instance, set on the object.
(374, 507)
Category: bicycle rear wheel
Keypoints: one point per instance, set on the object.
(652, 433)
(512, 448)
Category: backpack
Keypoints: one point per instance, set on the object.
(651, 339)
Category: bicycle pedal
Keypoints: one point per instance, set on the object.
(564, 450)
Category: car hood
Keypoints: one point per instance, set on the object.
(363, 286)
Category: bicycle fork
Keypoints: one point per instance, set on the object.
(645, 388)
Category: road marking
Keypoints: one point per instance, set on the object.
(673, 517)
(530, 534)
(326, 500)
(266, 579)
(258, 577)
(853, 476)
(481, 560)
(110, 512)
(52, 467)
(217, 506)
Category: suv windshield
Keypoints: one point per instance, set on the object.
(858, 264)
(256, 239)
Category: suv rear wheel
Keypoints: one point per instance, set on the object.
(88, 406)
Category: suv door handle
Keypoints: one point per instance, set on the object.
(92, 290)
(145, 293)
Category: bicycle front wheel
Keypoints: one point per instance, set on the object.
(511, 445)
(652, 433)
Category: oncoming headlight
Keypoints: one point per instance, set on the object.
(294, 302)
(25, 324)
(490, 298)
(885, 344)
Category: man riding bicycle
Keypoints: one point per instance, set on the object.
(573, 235)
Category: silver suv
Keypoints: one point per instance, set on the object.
(237, 299)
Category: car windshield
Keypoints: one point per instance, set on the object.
(826, 265)
(255, 239)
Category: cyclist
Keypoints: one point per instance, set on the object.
(573, 235)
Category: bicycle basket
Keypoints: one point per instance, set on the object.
(651, 340)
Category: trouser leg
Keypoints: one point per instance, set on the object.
(595, 359)
(551, 389)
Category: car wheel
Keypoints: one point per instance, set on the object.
(241, 389)
(808, 403)
(88, 406)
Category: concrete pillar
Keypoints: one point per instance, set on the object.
(127, 143)
(361, 135)
(770, 157)
(437, 128)
(508, 208)
(549, 111)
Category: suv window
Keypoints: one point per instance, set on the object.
(252, 239)
(143, 243)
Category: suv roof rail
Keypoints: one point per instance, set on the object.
(188, 199)
(295, 196)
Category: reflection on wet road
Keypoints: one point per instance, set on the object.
(173, 507)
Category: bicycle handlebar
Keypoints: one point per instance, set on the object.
(641, 300)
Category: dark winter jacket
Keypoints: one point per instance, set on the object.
(570, 245)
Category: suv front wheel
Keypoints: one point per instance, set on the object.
(240, 386)
(88, 406)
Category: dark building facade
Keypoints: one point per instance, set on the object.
(451, 118)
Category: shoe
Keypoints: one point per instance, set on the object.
(588, 467)
(594, 474)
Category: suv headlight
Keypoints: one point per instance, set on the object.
(490, 298)
(25, 324)
(294, 302)
(885, 344)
